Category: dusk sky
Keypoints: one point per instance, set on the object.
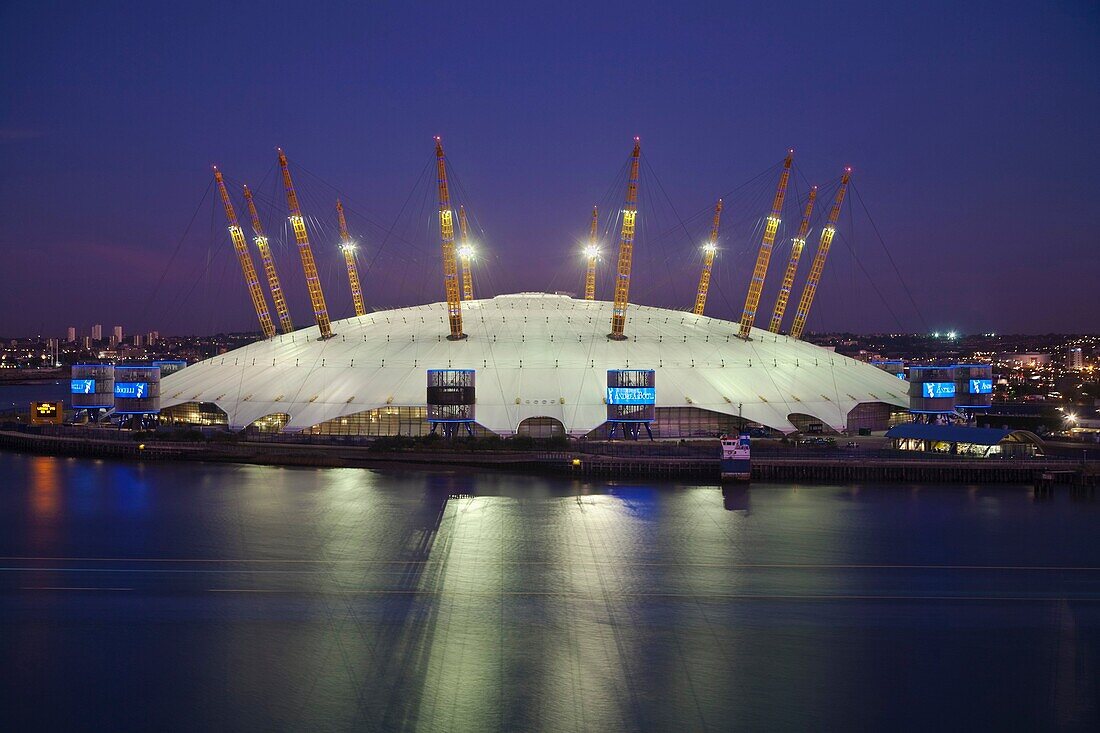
(972, 129)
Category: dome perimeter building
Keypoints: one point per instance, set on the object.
(541, 364)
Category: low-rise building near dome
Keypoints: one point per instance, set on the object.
(959, 440)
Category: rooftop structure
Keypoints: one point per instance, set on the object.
(535, 356)
(538, 359)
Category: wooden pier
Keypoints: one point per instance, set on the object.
(1080, 483)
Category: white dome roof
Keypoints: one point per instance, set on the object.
(535, 355)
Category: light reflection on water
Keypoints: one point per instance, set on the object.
(45, 493)
(274, 598)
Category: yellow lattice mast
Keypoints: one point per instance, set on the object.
(447, 235)
(797, 244)
(347, 246)
(826, 241)
(245, 258)
(465, 256)
(592, 252)
(756, 286)
(626, 249)
(709, 250)
(313, 282)
(269, 265)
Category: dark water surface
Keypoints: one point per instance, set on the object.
(216, 597)
(20, 396)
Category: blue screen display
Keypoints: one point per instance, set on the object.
(631, 395)
(169, 367)
(938, 389)
(82, 386)
(900, 376)
(134, 390)
(981, 386)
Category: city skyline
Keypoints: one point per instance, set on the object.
(979, 218)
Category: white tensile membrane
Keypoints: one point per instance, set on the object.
(536, 355)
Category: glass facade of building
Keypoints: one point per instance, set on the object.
(809, 424)
(876, 416)
(272, 423)
(690, 422)
(382, 421)
(199, 414)
(669, 422)
(541, 427)
(403, 420)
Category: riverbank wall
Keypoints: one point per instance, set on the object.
(585, 462)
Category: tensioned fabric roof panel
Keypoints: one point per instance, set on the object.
(535, 355)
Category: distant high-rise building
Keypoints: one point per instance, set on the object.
(137, 339)
(118, 334)
(1075, 358)
(152, 337)
(97, 332)
(87, 343)
(72, 334)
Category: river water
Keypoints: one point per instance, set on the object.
(19, 396)
(220, 597)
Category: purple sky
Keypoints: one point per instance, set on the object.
(972, 128)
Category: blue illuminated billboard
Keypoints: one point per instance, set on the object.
(82, 386)
(631, 395)
(934, 390)
(981, 386)
(132, 390)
